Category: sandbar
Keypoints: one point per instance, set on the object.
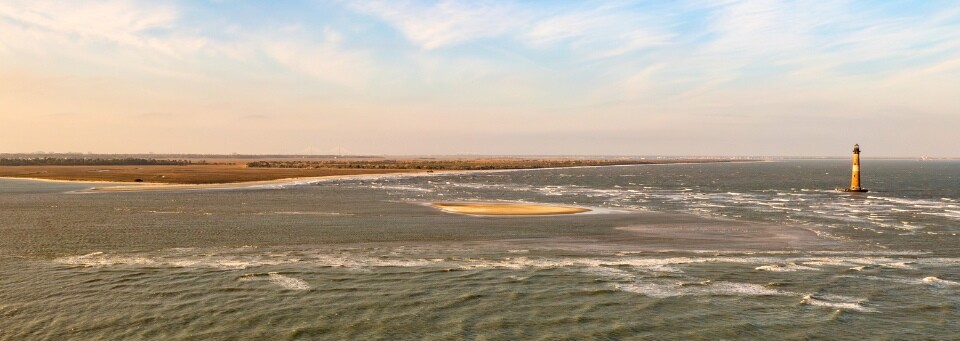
(150, 187)
(506, 209)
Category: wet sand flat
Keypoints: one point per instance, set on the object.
(507, 209)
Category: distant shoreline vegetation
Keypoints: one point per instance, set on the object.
(458, 164)
(57, 161)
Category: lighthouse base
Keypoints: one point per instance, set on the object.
(852, 190)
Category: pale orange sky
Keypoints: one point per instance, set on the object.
(474, 77)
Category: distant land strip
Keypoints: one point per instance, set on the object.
(456, 164)
(63, 161)
(239, 170)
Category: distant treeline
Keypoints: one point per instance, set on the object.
(447, 164)
(57, 161)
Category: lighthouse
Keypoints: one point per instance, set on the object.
(855, 174)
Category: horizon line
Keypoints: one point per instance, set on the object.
(472, 155)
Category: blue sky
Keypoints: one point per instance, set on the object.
(482, 77)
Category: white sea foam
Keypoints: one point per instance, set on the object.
(836, 302)
(898, 265)
(914, 202)
(609, 273)
(101, 259)
(288, 282)
(276, 278)
(661, 289)
(789, 267)
(243, 258)
(929, 280)
(887, 262)
(939, 282)
(200, 260)
(645, 263)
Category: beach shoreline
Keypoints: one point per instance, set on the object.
(132, 178)
(182, 174)
(239, 171)
(72, 181)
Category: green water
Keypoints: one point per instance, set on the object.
(366, 259)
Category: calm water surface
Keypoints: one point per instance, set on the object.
(704, 251)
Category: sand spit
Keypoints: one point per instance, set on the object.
(506, 209)
(278, 183)
(188, 187)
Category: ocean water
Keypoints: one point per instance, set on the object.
(690, 251)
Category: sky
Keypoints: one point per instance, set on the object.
(756, 77)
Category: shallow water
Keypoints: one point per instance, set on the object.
(709, 251)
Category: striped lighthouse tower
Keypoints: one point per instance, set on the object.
(855, 176)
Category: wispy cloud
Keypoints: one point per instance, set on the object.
(604, 31)
(82, 30)
(596, 31)
(823, 36)
(446, 22)
(148, 25)
(324, 59)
